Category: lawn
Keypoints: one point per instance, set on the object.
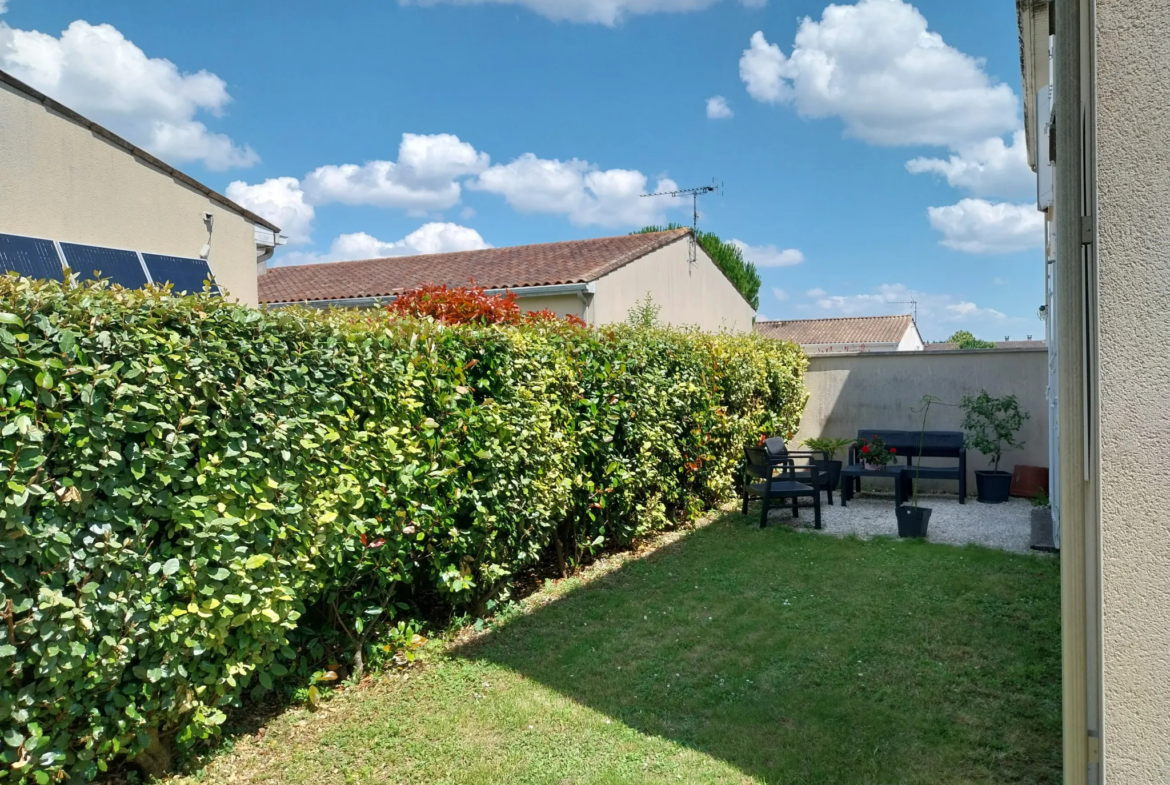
(733, 655)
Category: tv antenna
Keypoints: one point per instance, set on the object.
(912, 303)
(694, 193)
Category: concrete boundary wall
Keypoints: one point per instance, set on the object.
(879, 390)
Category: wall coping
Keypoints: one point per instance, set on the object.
(947, 353)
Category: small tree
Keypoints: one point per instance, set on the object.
(965, 340)
(644, 313)
(992, 424)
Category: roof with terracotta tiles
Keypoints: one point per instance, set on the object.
(576, 261)
(852, 329)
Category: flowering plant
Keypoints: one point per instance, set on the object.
(874, 451)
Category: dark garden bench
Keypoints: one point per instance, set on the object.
(934, 444)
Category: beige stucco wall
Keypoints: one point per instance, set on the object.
(562, 304)
(698, 295)
(60, 181)
(1133, 256)
(878, 390)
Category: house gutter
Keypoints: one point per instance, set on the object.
(584, 291)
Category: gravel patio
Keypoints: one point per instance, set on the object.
(1006, 527)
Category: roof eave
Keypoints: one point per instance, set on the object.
(551, 290)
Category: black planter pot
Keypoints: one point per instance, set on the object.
(832, 469)
(993, 487)
(912, 521)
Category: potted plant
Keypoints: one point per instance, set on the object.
(992, 426)
(873, 452)
(913, 520)
(830, 447)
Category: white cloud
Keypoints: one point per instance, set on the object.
(779, 294)
(427, 239)
(769, 255)
(986, 168)
(978, 226)
(815, 293)
(3, 6)
(424, 178)
(939, 315)
(876, 66)
(606, 12)
(281, 201)
(577, 189)
(717, 108)
(96, 71)
(762, 69)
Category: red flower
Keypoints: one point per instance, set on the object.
(763, 438)
(865, 449)
(893, 451)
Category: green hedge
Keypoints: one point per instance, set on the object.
(203, 498)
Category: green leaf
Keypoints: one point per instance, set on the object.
(170, 567)
(10, 318)
(7, 650)
(266, 680)
(13, 738)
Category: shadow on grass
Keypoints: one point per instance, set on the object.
(800, 658)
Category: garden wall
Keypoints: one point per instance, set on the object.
(879, 390)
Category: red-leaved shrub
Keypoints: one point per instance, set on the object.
(469, 305)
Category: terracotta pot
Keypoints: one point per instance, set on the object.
(1027, 481)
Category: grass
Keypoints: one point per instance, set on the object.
(734, 655)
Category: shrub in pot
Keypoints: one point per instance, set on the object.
(830, 447)
(992, 426)
(913, 520)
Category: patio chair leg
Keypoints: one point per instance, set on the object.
(817, 511)
(764, 511)
(745, 498)
(795, 507)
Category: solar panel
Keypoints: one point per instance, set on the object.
(30, 257)
(187, 275)
(91, 262)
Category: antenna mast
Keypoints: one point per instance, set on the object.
(912, 303)
(694, 193)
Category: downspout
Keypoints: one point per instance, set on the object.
(586, 298)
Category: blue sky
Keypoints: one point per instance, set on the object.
(867, 150)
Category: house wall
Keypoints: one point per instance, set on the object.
(60, 181)
(879, 390)
(562, 304)
(700, 295)
(1132, 92)
(911, 341)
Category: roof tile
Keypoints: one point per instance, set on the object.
(576, 261)
(855, 329)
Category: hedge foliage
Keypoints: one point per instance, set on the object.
(203, 499)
